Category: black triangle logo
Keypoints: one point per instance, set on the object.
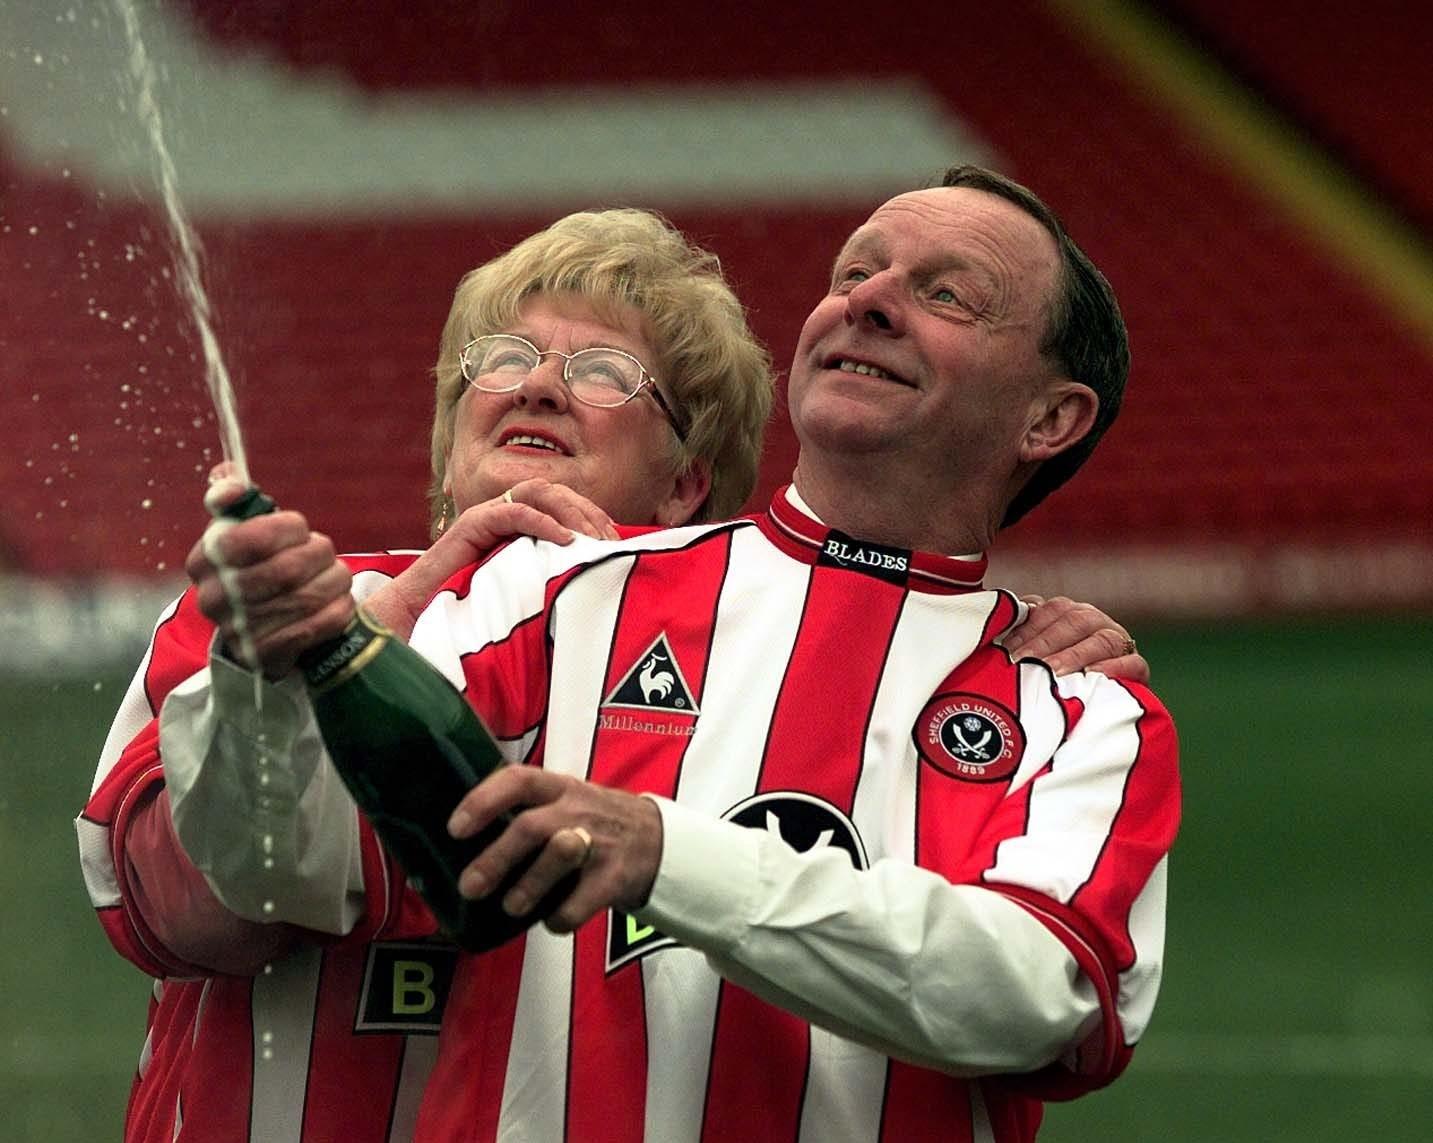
(654, 682)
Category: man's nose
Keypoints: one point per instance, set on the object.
(544, 386)
(877, 304)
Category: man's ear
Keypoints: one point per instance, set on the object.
(1063, 415)
(689, 492)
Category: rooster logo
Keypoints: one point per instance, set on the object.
(654, 682)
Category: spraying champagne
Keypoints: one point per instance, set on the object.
(409, 747)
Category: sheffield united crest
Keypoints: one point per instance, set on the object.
(969, 737)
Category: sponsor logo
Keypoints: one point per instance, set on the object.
(645, 725)
(969, 737)
(843, 551)
(804, 821)
(405, 987)
(654, 682)
(629, 939)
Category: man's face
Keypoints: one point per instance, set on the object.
(926, 348)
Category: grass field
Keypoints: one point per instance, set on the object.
(1298, 1000)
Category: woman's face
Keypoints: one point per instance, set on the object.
(621, 458)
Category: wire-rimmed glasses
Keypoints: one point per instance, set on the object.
(599, 376)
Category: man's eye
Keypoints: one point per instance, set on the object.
(944, 295)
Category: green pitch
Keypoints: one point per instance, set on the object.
(1298, 999)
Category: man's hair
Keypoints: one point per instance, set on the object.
(1085, 334)
(712, 370)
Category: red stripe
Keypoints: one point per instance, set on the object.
(1103, 1055)
(179, 648)
(141, 778)
(823, 713)
(152, 1100)
(219, 1076)
(352, 1079)
(507, 680)
(607, 1067)
(916, 1098)
(464, 1096)
(951, 814)
(1141, 834)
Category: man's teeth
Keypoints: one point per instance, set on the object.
(532, 442)
(865, 370)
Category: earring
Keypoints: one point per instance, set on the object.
(444, 518)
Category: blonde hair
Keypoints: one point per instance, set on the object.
(712, 370)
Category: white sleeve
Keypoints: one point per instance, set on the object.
(952, 977)
(256, 802)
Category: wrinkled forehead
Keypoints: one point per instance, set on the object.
(965, 226)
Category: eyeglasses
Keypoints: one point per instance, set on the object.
(602, 377)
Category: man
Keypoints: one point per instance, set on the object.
(983, 924)
(871, 635)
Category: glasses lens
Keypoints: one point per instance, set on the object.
(498, 361)
(604, 376)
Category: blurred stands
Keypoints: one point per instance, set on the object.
(1279, 411)
(1358, 83)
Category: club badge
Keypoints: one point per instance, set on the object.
(969, 737)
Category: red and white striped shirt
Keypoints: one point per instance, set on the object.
(942, 838)
(332, 1042)
(927, 814)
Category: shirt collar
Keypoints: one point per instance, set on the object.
(803, 535)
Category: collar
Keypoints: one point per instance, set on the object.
(794, 528)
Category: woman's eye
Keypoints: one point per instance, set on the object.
(509, 361)
(945, 295)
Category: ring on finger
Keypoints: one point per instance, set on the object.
(586, 844)
(1129, 647)
(507, 496)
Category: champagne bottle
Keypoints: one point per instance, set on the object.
(409, 747)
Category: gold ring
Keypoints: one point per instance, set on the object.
(1128, 648)
(586, 844)
(507, 496)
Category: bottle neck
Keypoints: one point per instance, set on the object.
(337, 659)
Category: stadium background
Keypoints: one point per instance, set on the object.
(1254, 177)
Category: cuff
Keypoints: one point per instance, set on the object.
(256, 803)
(702, 895)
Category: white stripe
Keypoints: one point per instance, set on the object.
(583, 621)
(419, 1055)
(740, 692)
(845, 1085)
(101, 881)
(251, 138)
(1096, 756)
(284, 997)
(534, 1089)
(980, 1129)
(846, 1082)
(737, 707)
(533, 1106)
(680, 991)
(1146, 930)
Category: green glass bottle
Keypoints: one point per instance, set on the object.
(409, 747)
